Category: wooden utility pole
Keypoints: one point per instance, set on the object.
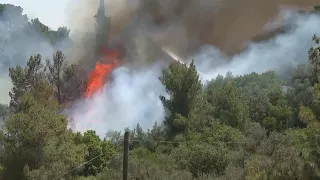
(125, 156)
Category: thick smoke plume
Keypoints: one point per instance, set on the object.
(216, 34)
(133, 95)
(184, 26)
(280, 53)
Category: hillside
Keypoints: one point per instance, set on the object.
(252, 126)
(21, 37)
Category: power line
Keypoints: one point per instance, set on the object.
(221, 141)
(183, 142)
(77, 167)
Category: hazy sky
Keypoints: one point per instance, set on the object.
(50, 12)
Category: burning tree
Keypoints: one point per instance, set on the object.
(102, 71)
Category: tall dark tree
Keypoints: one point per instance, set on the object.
(66, 79)
(183, 85)
(55, 72)
(25, 79)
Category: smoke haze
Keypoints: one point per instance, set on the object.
(185, 25)
(141, 89)
(216, 34)
(131, 98)
(280, 53)
(18, 43)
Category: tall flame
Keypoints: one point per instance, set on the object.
(102, 71)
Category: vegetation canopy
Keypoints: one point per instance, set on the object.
(248, 127)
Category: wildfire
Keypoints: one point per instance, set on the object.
(102, 71)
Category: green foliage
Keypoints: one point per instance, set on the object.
(227, 101)
(219, 133)
(146, 165)
(276, 158)
(208, 154)
(183, 85)
(248, 127)
(36, 142)
(267, 100)
(99, 152)
(202, 159)
(64, 79)
(52, 36)
(25, 79)
(314, 57)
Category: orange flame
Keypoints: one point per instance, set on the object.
(102, 71)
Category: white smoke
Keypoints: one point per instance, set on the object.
(133, 96)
